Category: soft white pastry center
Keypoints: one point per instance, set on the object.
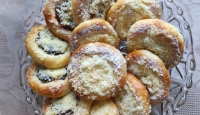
(49, 41)
(128, 100)
(147, 76)
(63, 104)
(54, 73)
(156, 46)
(97, 75)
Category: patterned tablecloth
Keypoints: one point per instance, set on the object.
(13, 17)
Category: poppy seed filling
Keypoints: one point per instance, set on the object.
(50, 43)
(48, 75)
(64, 15)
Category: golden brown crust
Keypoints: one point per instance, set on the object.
(159, 37)
(94, 30)
(104, 107)
(101, 64)
(133, 98)
(42, 57)
(52, 22)
(124, 13)
(152, 72)
(84, 10)
(53, 89)
(79, 14)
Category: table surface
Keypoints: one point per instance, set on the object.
(13, 14)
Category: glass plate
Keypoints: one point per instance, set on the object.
(181, 75)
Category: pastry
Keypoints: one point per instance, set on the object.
(46, 48)
(58, 17)
(94, 30)
(133, 98)
(125, 13)
(97, 71)
(159, 37)
(70, 104)
(48, 82)
(88, 9)
(104, 107)
(152, 72)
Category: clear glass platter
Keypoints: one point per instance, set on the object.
(181, 75)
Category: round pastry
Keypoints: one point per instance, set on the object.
(46, 48)
(88, 9)
(151, 70)
(97, 71)
(133, 98)
(48, 82)
(159, 37)
(58, 17)
(125, 13)
(70, 104)
(104, 107)
(94, 30)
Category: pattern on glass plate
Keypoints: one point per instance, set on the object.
(32, 98)
(181, 75)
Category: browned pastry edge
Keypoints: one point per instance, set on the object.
(76, 85)
(165, 32)
(51, 89)
(83, 33)
(131, 9)
(52, 22)
(140, 90)
(155, 64)
(77, 13)
(40, 56)
(104, 107)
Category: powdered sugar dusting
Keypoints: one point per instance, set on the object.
(97, 30)
(56, 88)
(90, 9)
(158, 37)
(150, 71)
(120, 13)
(115, 63)
(130, 101)
(68, 105)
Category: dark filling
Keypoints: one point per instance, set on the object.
(45, 78)
(51, 49)
(68, 112)
(71, 24)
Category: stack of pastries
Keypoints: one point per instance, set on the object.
(77, 64)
